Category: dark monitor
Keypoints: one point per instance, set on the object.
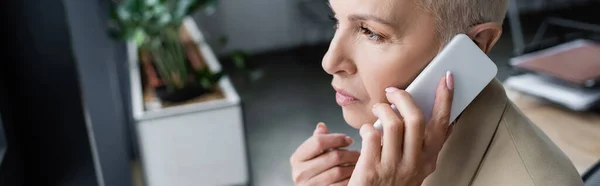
(2, 141)
(10, 162)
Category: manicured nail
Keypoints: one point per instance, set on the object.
(320, 125)
(362, 130)
(449, 80)
(374, 112)
(391, 89)
(349, 140)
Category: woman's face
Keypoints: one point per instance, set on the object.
(377, 44)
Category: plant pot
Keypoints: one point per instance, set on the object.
(180, 95)
(198, 142)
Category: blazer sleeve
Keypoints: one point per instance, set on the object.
(521, 154)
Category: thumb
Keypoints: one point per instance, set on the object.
(370, 152)
(321, 129)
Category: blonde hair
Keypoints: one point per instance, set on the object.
(456, 16)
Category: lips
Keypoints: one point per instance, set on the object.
(344, 98)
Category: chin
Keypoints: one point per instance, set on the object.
(356, 118)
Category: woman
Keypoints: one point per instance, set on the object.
(379, 47)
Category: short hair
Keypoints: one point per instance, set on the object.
(456, 16)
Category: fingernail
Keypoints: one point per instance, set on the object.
(320, 125)
(449, 80)
(374, 112)
(349, 140)
(395, 109)
(391, 89)
(362, 129)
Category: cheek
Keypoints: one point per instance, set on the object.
(378, 68)
(383, 68)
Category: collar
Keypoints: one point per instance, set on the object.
(465, 149)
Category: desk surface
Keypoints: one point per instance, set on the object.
(576, 133)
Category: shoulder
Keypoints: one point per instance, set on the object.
(521, 154)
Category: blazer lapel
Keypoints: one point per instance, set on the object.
(460, 157)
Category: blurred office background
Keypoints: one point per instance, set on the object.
(74, 110)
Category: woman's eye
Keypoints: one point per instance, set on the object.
(370, 34)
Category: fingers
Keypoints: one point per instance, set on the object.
(414, 123)
(321, 129)
(393, 128)
(332, 176)
(371, 146)
(437, 128)
(341, 183)
(443, 101)
(317, 145)
(328, 160)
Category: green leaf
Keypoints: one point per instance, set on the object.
(206, 83)
(164, 19)
(155, 43)
(216, 77)
(114, 16)
(120, 32)
(134, 6)
(139, 37)
(187, 7)
(181, 8)
(115, 26)
(127, 9)
(211, 3)
(239, 59)
(151, 2)
(210, 7)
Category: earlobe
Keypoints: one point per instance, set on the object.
(485, 35)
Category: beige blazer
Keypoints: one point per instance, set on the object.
(493, 143)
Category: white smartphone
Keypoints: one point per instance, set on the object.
(472, 69)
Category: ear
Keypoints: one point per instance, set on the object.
(485, 35)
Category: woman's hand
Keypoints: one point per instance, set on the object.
(410, 144)
(319, 161)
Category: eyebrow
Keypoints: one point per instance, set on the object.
(360, 17)
(366, 17)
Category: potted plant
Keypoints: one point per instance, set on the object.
(198, 141)
(170, 64)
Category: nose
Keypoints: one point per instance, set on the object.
(338, 60)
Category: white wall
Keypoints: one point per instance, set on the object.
(262, 25)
